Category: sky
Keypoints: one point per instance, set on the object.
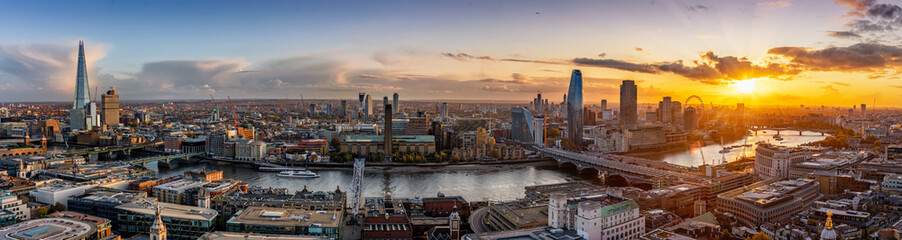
(782, 52)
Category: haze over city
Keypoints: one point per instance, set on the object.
(756, 52)
(451, 120)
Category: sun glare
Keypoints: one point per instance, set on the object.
(744, 86)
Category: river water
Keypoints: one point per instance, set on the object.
(692, 155)
(475, 183)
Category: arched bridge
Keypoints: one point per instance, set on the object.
(607, 165)
(163, 158)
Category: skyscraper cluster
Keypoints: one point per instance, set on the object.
(83, 115)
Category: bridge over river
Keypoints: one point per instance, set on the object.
(609, 165)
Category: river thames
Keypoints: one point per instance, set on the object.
(475, 183)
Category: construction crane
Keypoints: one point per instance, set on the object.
(234, 116)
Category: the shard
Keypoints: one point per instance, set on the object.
(82, 96)
(575, 108)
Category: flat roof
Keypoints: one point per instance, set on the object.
(48, 228)
(286, 217)
(380, 138)
(170, 210)
(220, 235)
(181, 185)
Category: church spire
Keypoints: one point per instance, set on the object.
(158, 229)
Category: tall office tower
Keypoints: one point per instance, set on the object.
(92, 119)
(79, 114)
(538, 125)
(864, 108)
(666, 110)
(677, 112)
(394, 103)
(521, 125)
(367, 106)
(384, 101)
(444, 112)
(690, 119)
(575, 108)
(110, 111)
(361, 107)
(82, 92)
(604, 104)
(312, 109)
(628, 104)
(540, 108)
(387, 132)
(344, 108)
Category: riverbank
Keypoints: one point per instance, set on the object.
(445, 166)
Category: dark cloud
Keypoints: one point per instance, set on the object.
(638, 49)
(843, 34)
(617, 64)
(855, 58)
(711, 69)
(869, 17)
(697, 7)
(465, 56)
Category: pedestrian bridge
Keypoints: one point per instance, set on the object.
(609, 166)
(164, 158)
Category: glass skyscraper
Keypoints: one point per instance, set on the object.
(521, 125)
(628, 104)
(575, 108)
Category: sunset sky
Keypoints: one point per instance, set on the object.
(787, 52)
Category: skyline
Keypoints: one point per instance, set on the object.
(487, 50)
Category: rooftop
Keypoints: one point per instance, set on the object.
(402, 138)
(219, 235)
(286, 217)
(181, 185)
(48, 228)
(773, 192)
(170, 210)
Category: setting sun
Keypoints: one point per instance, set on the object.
(744, 86)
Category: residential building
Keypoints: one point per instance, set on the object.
(250, 150)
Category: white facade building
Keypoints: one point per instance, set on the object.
(538, 125)
(250, 150)
(54, 194)
(11, 202)
(774, 161)
(604, 217)
(892, 182)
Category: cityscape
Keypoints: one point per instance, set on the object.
(446, 120)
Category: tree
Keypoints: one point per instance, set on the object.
(41, 212)
(759, 236)
(58, 207)
(494, 153)
(335, 143)
(552, 132)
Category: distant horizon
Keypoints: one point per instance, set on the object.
(760, 52)
(465, 101)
